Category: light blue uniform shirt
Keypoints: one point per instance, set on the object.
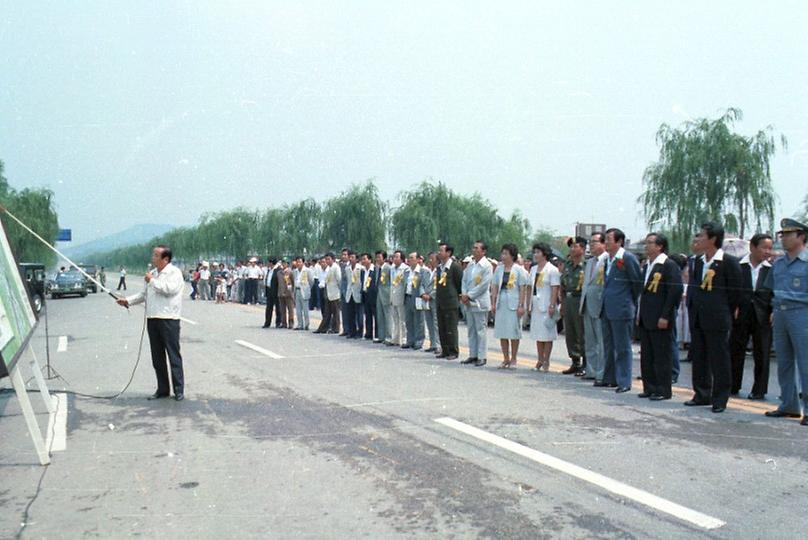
(789, 281)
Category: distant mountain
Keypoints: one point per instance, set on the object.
(136, 234)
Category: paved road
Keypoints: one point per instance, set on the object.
(339, 438)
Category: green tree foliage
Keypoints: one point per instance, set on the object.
(431, 213)
(34, 207)
(355, 218)
(707, 171)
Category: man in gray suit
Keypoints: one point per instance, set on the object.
(591, 307)
(475, 295)
(384, 323)
(303, 278)
(414, 317)
(345, 280)
(398, 284)
(430, 301)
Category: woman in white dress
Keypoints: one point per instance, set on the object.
(545, 285)
(509, 290)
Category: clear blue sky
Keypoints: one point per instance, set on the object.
(155, 112)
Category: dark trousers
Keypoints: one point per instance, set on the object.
(447, 330)
(315, 301)
(272, 304)
(122, 283)
(330, 320)
(251, 291)
(711, 366)
(369, 308)
(761, 345)
(193, 290)
(164, 338)
(655, 361)
(353, 322)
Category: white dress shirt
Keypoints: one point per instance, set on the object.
(163, 294)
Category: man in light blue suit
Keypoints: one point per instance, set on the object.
(620, 292)
(476, 296)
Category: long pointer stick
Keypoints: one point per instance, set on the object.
(3, 209)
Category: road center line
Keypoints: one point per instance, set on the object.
(57, 425)
(189, 321)
(643, 497)
(62, 344)
(258, 349)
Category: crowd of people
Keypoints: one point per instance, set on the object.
(603, 296)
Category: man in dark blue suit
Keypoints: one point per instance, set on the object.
(713, 299)
(370, 288)
(620, 292)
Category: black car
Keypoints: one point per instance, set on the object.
(34, 274)
(92, 270)
(71, 282)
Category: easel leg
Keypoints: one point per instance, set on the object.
(50, 401)
(28, 412)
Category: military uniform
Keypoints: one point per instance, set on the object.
(788, 279)
(572, 283)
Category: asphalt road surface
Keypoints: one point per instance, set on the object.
(289, 434)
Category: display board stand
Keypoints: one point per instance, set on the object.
(18, 384)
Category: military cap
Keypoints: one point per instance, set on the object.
(580, 240)
(791, 225)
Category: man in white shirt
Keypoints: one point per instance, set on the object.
(203, 286)
(163, 297)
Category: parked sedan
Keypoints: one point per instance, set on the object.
(67, 283)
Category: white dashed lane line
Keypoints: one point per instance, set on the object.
(256, 348)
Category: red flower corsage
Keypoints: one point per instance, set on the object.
(620, 264)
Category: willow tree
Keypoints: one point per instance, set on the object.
(34, 207)
(301, 229)
(802, 215)
(431, 212)
(355, 218)
(708, 171)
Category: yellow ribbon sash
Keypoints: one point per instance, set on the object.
(478, 279)
(707, 282)
(367, 282)
(383, 279)
(580, 285)
(653, 286)
(540, 280)
(511, 280)
(397, 280)
(304, 278)
(599, 278)
(414, 282)
(286, 279)
(443, 277)
(353, 276)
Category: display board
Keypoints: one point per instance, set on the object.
(17, 319)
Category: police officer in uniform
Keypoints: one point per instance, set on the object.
(788, 279)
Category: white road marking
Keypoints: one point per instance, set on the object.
(258, 349)
(62, 346)
(57, 425)
(397, 401)
(643, 497)
(189, 321)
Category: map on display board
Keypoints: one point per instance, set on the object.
(17, 318)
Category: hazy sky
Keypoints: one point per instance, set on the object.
(155, 112)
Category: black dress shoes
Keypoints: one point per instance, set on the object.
(657, 397)
(469, 360)
(431, 349)
(265, 326)
(756, 396)
(157, 395)
(599, 384)
(179, 397)
(719, 408)
(480, 362)
(694, 403)
(574, 368)
(405, 346)
(622, 389)
(804, 421)
(777, 413)
(644, 394)
(611, 385)
(581, 373)
(452, 357)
